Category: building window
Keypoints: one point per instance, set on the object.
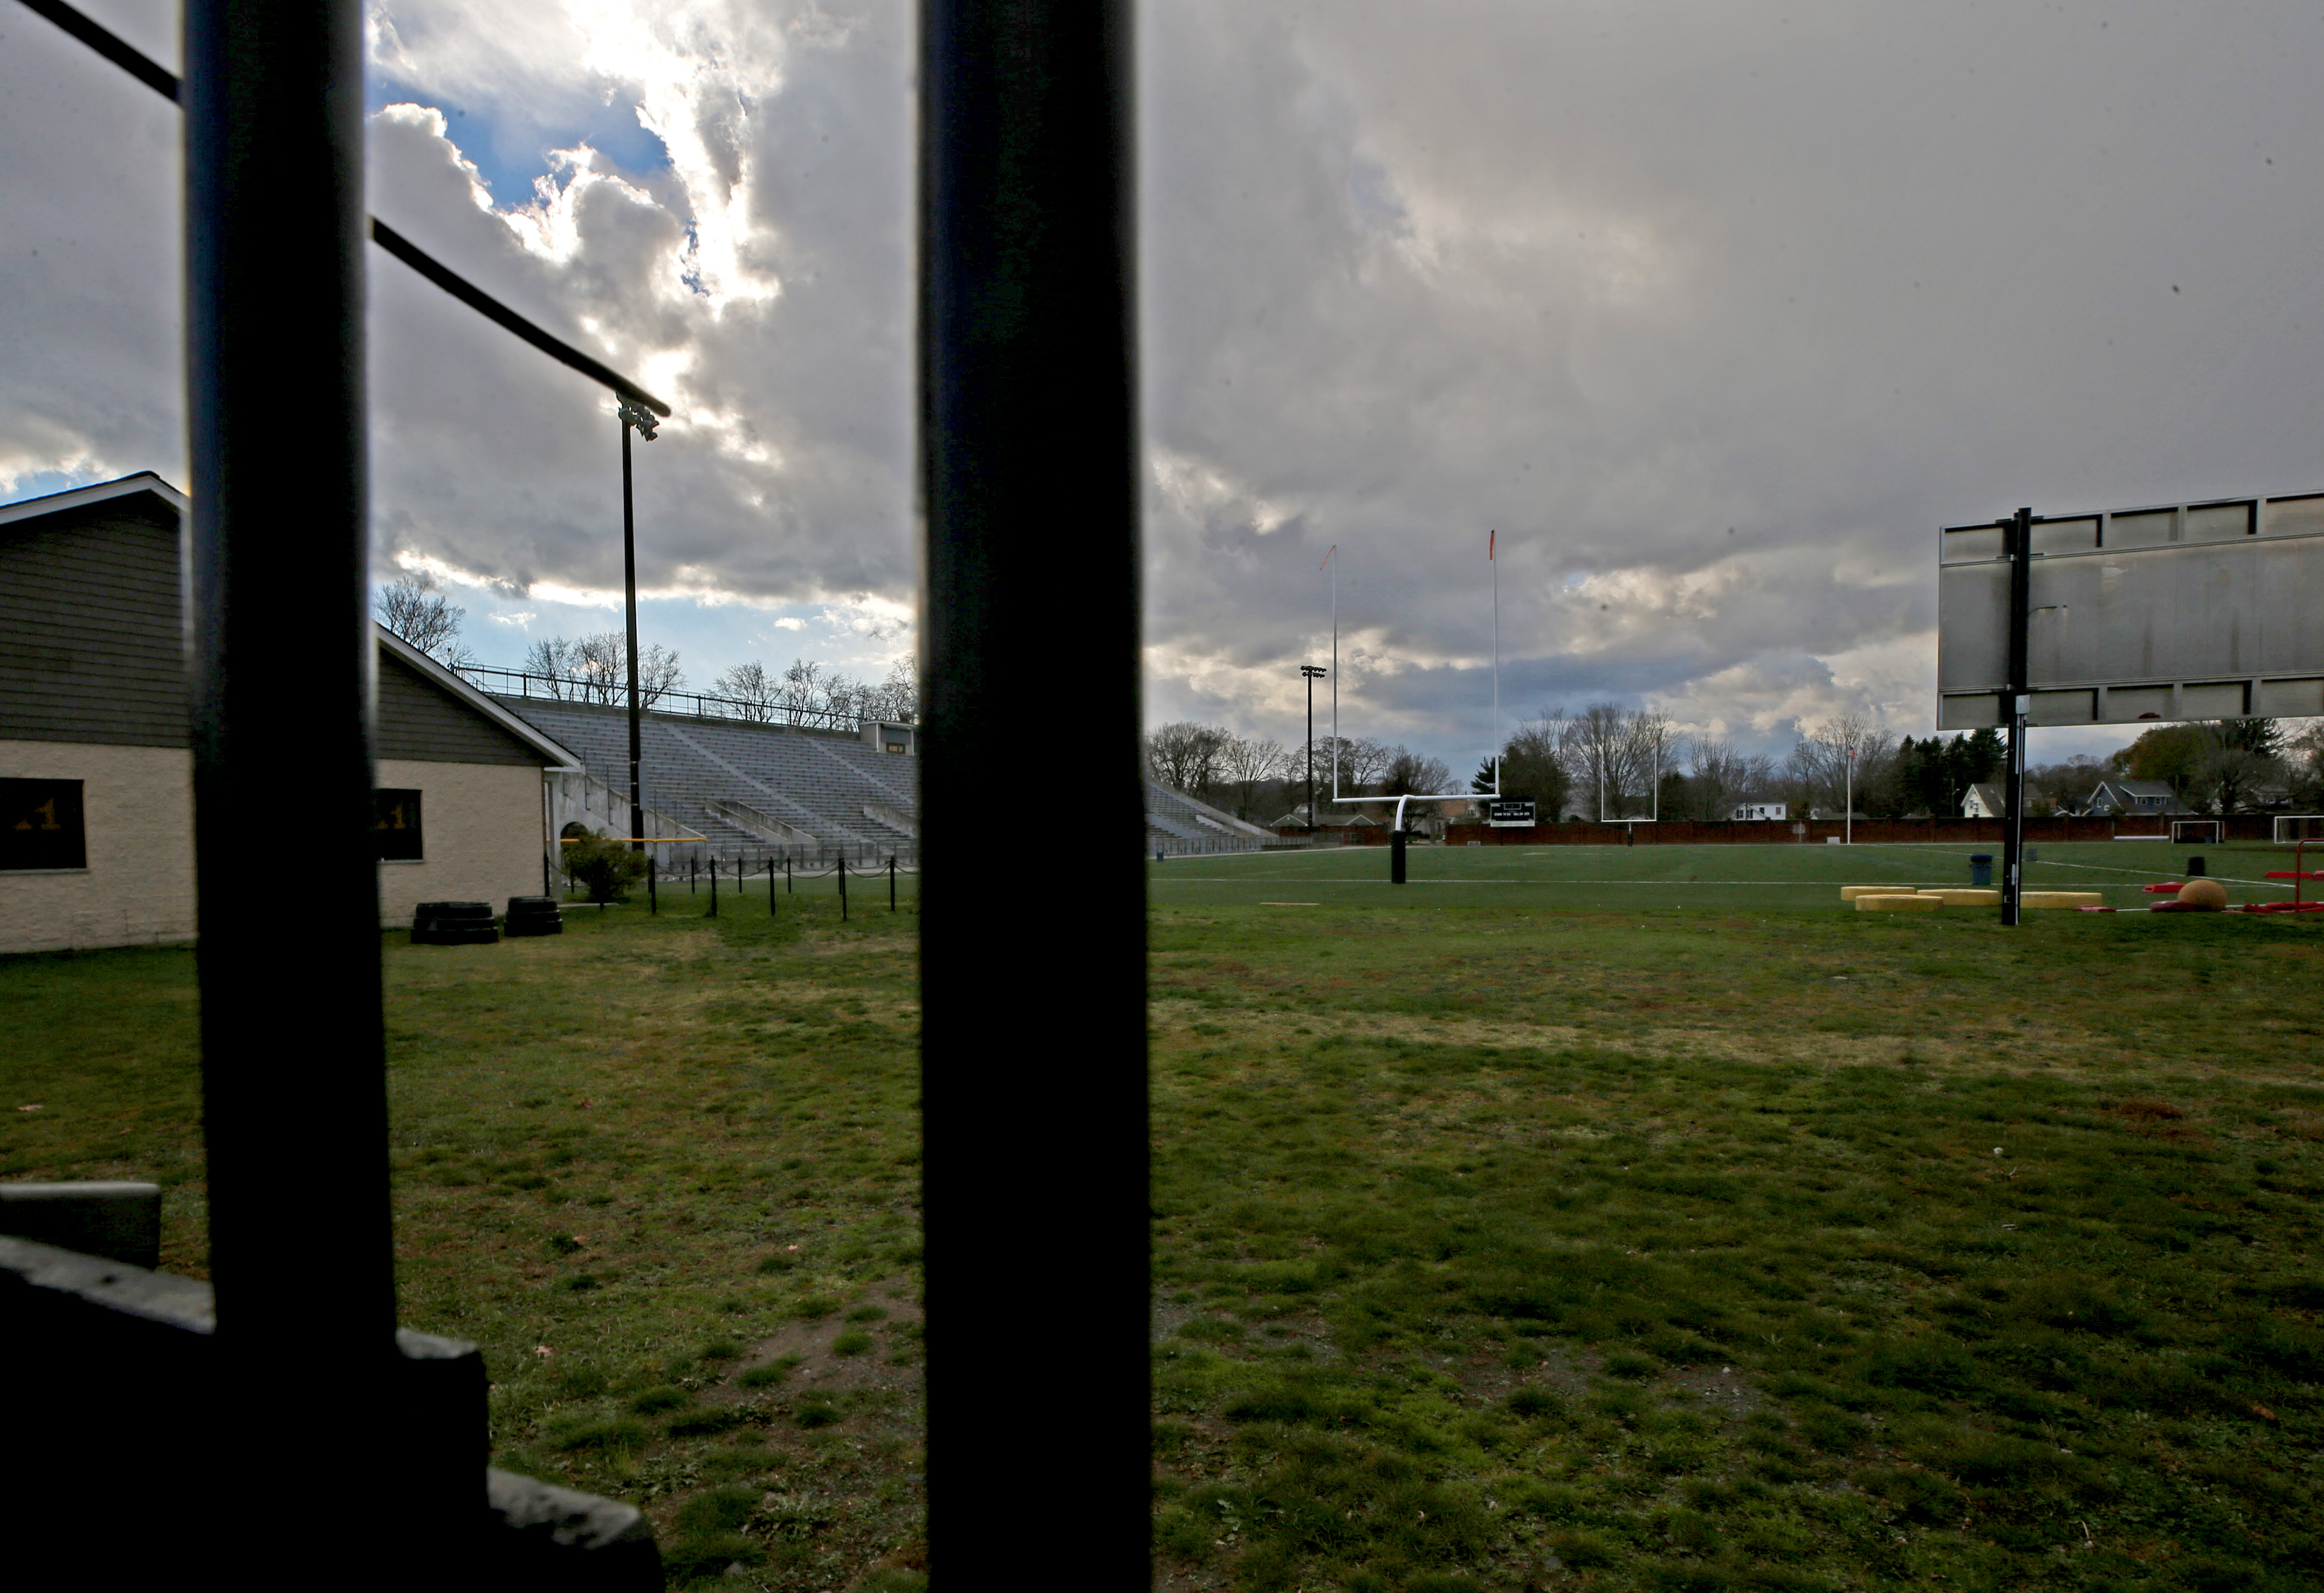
(395, 824)
(897, 746)
(41, 825)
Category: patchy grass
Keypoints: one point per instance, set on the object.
(626, 1160)
(1495, 1248)
(1498, 1252)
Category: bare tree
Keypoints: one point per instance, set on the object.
(1818, 772)
(658, 674)
(1717, 777)
(1408, 774)
(1612, 755)
(752, 689)
(1249, 763)
(551, 659)
(1185, 756)
(897, 699)
(596, 669)
(1361, 762)
(415, 612)
(807, 689)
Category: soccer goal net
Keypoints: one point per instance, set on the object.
(2196, 832)
(2291, 829)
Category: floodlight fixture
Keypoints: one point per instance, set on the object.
(641, 419)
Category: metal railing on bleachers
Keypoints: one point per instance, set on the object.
(613, 691)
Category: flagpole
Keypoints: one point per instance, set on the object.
(1335, 670)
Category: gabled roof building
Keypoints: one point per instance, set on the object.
(2128, 799)
(95, 749)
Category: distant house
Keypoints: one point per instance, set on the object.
(1744, 810)
(2134, 799)
(1295, 823)
(1986, 800)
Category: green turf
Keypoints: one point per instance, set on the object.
(1683, 878)
(1520, 1245)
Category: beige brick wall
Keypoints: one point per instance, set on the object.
(480, 827)
(480, 830)
(138, 889)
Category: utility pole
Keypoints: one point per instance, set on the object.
(634, 414)
(2019, 530)
(1309, 673)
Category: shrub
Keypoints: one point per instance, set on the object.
(606, 868)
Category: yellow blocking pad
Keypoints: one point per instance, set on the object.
(2033, 899)
(1968, 897)
(1850, 892)
(1895, 903)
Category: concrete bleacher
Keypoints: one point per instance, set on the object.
(1178, 825)
(755, 790)
(781, 786)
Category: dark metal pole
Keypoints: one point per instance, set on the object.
(770, 887)
(301, 1249)
(630, 596)
(843, 885)
(891, 883)
(2020, 532)
(653, 897)
(1030, 462)
(713, 887)
(1308, 672)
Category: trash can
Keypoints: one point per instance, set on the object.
(2194, 868)
(1981, 869)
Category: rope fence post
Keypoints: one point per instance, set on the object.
(770, 887)
(843, 885)
(891, 882)
(653, 897)
(713, 887)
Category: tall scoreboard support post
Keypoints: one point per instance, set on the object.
(2171, 612)
(2020, 532)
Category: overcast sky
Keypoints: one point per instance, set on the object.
(1714, 311)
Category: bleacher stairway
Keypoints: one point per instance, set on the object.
(749, 790)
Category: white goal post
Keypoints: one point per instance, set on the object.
(2197, 832)
(2291, 829)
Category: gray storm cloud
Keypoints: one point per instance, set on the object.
(1713, 311)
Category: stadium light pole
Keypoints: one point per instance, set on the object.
(633, 416)
(1308, 672)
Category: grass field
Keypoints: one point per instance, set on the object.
(1694, 879)
(1544, 1233)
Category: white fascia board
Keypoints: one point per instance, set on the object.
(559, 759)
(79, 497)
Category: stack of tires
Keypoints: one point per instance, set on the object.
(534, 915)
(453, 923)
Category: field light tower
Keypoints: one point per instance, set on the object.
(633, 416)
(1311, 674)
